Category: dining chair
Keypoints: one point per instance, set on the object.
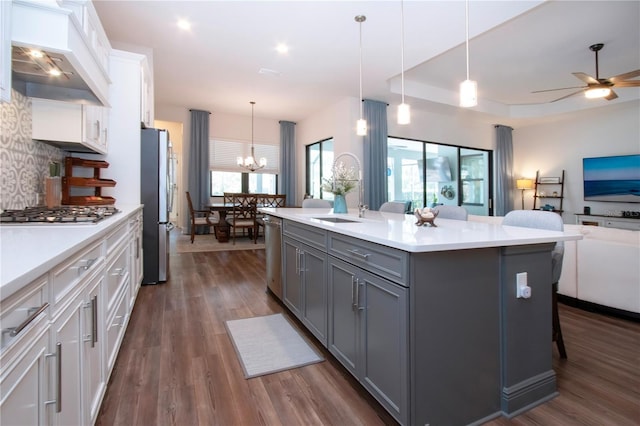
(244, 215)
(394, 207)
(315, 203)
(269, 200)
(451, 212)
(200, 218)
(552, 221)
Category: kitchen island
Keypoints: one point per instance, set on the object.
(426, 318)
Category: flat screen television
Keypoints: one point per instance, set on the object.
(614, 178)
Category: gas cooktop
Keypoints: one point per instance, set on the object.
(57, 215)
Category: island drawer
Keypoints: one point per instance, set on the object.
(315, 237)
(386, 262)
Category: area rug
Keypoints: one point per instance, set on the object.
(269, 344)
(181, 243)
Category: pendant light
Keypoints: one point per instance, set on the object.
(404, 110)
(361, 124)
(468, 88)
(250, 162)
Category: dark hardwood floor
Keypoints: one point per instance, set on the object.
(177, 365)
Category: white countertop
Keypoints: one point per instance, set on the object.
(29, 251)
(400, 231)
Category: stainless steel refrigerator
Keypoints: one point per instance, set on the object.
(155, 191)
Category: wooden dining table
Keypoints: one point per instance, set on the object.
(222, 228)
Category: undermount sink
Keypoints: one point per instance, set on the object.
(336, 219)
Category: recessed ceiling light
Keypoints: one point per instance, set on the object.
(183, 24)
(282, 48)
(55, 72)
(36, 54)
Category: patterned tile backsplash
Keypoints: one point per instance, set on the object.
(24, 163)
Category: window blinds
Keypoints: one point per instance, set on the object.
(223, 155)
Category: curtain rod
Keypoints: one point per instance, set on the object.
(191, 110)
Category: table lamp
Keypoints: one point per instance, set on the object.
(523, 184)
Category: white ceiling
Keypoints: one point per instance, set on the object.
(516, 47)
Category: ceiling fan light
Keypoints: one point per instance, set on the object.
(361, 127)
(597, 92)
(468, 93)
(404, 114)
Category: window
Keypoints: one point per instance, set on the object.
(429, 174)
(227, 176)
(318, 166)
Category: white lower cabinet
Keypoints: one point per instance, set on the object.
(116, 325)
(66, 337)
(93, 372)
(23, 379)
(61, 333)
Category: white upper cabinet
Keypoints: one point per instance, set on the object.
(69, 126)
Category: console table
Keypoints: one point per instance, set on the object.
(608, 221)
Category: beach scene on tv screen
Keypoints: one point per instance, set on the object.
(612, 178)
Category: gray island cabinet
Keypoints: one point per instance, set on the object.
(426, 318)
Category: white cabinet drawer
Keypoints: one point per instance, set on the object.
(116, 325)
(117, 273)
(117, 237)
(66, 276)
(22, 310)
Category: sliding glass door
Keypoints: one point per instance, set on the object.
(429, 174)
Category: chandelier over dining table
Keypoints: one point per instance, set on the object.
(250, 162)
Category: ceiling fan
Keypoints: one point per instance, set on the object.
(599, 87)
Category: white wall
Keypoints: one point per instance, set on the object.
(564, 142)
(337, 121)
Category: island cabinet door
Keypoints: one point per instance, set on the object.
(292, 281)
(368, 333)
(314, 292)
(343, 336)
(384, 338)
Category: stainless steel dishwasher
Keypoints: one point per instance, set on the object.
(273, 244)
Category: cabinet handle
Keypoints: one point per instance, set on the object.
(94, 320)
(85, 264)
(13, 331)
(98, 129)
(357, 305)
(118, 272)
(358, 254)
(58, 356)
(353, 292)
(106, 137)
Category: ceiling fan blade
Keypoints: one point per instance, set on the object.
(561, 88)
(611, 96)
(567, 96)
(626, 76)
(635, 83)
(586, 78)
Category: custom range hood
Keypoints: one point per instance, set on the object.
(46, 37)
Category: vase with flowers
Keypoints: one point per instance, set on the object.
(342, 181)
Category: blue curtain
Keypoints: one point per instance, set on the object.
(504, 170)
(288, 161)
(375, 154)
(198, 170)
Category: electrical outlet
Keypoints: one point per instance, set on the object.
(522, 289)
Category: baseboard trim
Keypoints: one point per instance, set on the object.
(599, 309)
